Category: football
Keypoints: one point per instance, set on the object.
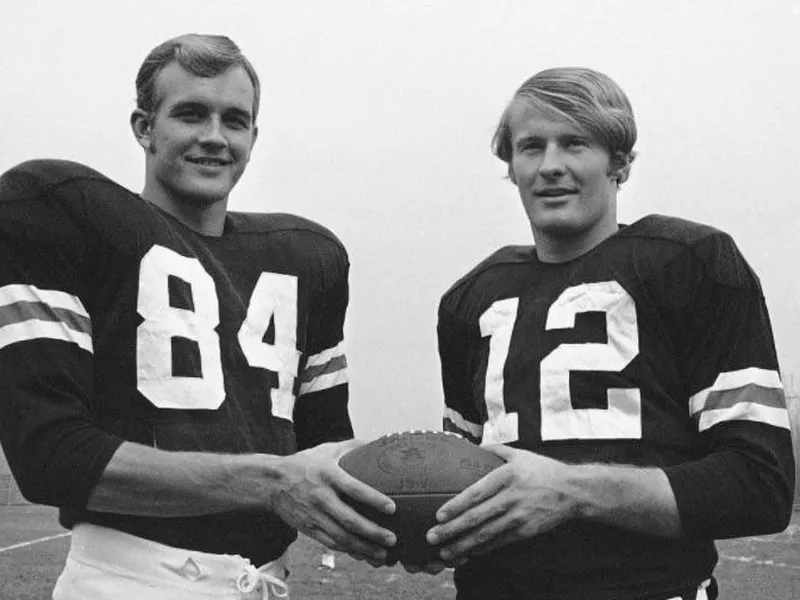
(420, 471)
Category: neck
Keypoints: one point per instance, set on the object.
(206, 218)
(560, 249)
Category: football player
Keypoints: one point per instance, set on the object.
(626, 373)
(173, 375)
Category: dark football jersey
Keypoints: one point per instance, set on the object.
(117, 322)
(653, 349)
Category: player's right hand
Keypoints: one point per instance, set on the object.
(527, 496)
(307, 496)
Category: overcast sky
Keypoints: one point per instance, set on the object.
(376, 119)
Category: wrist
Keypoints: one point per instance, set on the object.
(637, 498)
(580, 481)
(269, 475)
(251, 480)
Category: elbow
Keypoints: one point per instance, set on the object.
(53, 483)
(785, 496)
(785, 508)
(33, 491)
(777, 507)
(784, 522)
(777, 522)
(770, 489)
(22, 476)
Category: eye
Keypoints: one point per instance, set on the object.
(576, 143)
(529, 146)
(189, 114)
(237, 122)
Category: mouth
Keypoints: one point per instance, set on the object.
(207, 161)
(554, 193)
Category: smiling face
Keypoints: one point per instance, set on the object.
(198, 139)
(565, 181)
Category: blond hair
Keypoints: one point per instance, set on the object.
(586, 98)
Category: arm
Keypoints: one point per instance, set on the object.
(742, 483)
(58, 457)
(631, 498)
(321, 411)
(532, 494)
(461, 416)
(303, 489)
(144, 481)
(739, 489)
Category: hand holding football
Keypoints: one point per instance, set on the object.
(420, 471)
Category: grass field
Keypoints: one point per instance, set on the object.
(756, 568)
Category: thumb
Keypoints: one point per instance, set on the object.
(346, 446)
(504, 452)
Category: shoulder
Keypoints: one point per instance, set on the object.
(670, 229)
(59, 187)
(492, 265)
(62, 198)
(702, 246)
(300, 244)
(32, 178)
(288, 229)
(289, 224)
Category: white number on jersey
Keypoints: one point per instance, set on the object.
(162, 322)
(623, 417)
(274, 296)
(498, 322)
(559, 420)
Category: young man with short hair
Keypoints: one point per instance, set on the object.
(627, 374)
(172, 374)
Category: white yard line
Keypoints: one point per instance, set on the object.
(32, 542)
(752, 560)
(787, 536)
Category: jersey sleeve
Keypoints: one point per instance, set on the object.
(46, 376)
(460, 414)
(744, 483)
(321, 411)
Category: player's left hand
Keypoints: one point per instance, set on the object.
(523, 498)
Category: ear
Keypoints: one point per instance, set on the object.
(621, 174)
(252, 144)
(255, 137)
(621, 167)
(511, 175)
(142, 131)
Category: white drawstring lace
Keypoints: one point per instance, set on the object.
(247, 582)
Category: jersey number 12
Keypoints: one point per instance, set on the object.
(559, 420)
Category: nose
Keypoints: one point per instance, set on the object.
(552, 164)
(212, 134)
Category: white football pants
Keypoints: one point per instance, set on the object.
(105, 564)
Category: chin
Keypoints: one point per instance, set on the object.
(203, 195)
(560, 226)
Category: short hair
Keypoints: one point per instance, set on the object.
(200, 55)
(586, 98)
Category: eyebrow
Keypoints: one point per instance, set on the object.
(239, 112)
(562, 137)
(195, 104)
(186, 104)
(527, 138)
